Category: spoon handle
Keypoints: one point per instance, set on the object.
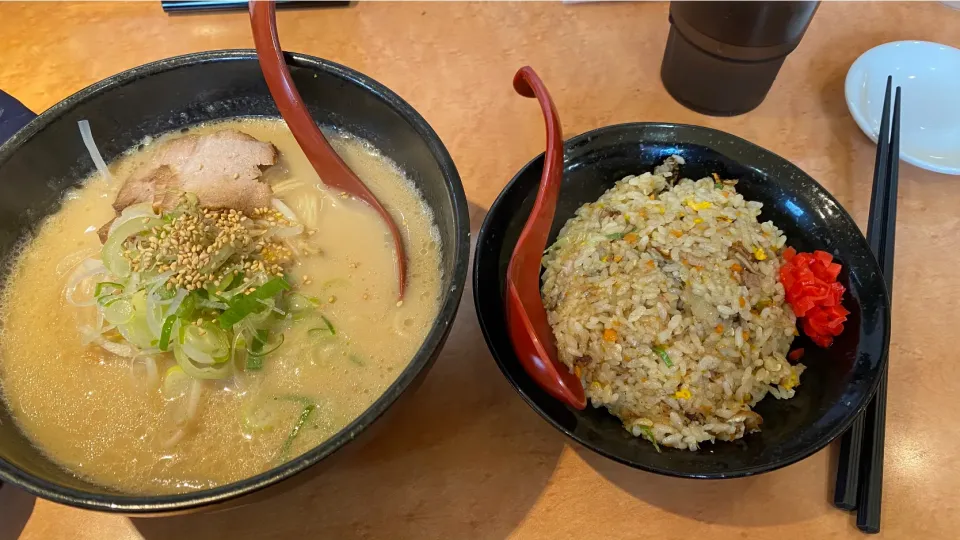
(526, 267)
(332, 170)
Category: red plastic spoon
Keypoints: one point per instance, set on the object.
(530, 332)
(332, 170)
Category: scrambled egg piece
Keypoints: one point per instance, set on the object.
(760, 254)
(695, 206)
(683, 393)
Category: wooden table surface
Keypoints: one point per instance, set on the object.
(466, 458)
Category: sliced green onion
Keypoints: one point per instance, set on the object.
(259, 316)
(275, 347)
(356, 359)
(108, 299)
(648, 435)
(663, 356)
(165, 332)
(330, 327)
(118, 311)
(318, 332)
(165, 293)
(304, 416)
(327, 331)
(98, 292)
(619, 235)
(260, 338)
(243, 305)
(240, 307)
(270, 288)
(235, 281)
(254, 363)
(213, 295)
(218, 259)
(112, 252)
(324, 337)
(260, 341)
(156, 314)
(298, 303)
(137, 331)
(175, 382)
(187, 307)
(293, 398)
(206, 344)
(238, 350)
(214, 371)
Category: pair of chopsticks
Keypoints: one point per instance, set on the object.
(860, 469)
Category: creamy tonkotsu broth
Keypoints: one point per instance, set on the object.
(142, 424)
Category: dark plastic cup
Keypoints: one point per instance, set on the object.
(722, 57)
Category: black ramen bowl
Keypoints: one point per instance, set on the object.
(47, 156)
(839, 381)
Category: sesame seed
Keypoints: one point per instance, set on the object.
(186, 244)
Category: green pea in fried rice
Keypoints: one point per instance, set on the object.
(665, 300)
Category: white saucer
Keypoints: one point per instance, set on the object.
(929, 74)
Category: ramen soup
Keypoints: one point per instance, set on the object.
(208, 309)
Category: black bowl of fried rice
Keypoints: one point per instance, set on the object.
(676, 385)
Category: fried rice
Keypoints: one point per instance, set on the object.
(664, 300)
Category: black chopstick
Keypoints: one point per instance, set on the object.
(871, 477)
(848, 466)
(860, 469)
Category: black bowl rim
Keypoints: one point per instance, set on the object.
(773, 465)
(152, 504)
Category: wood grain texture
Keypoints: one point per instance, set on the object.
(465, 457)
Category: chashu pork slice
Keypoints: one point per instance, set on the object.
(222, 168)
